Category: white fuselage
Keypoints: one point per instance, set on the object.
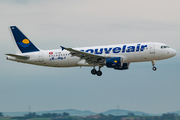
(135, 52)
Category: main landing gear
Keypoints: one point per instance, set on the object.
(153, 63)
(95, 72)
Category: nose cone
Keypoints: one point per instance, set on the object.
(173, 52)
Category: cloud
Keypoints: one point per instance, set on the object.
(96, 22)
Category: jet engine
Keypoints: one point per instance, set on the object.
(115, 62)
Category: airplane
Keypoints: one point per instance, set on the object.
(117, 56)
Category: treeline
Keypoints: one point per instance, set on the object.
(46, 115)
(66, 116)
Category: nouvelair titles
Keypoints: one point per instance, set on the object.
(123, 49)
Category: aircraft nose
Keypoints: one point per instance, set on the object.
(173, 52)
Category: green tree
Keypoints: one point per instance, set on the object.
(168, 116)
(65, 114)
(130, 114)
(1, 114)
(30, 115)
(102, 115)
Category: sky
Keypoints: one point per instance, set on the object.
(52, 23)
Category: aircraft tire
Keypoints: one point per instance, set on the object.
(93, 71)
(99, 73)
(154, 68)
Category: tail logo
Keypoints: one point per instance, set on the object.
(24, 43)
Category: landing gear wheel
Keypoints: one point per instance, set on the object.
(153, 63)
(94, 71)
(99, 73)
(154, 68)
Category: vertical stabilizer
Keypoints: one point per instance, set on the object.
(21, 42)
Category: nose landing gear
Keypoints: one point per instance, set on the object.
(153, 63)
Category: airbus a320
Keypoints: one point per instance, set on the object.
(117, 56)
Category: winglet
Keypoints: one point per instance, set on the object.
(62, 48)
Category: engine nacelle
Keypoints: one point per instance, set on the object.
(115, 62)
(124, 67)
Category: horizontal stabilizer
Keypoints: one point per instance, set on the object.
(25, 57)
(62, 48)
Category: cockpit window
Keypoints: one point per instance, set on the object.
(162, 47)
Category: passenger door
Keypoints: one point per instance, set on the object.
(151, 48)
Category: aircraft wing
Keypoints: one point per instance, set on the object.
(89, 57)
